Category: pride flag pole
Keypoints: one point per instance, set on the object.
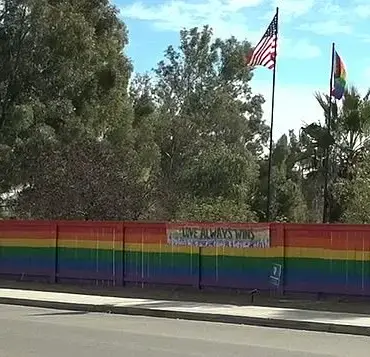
(326, 206)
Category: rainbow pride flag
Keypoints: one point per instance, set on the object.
(340, 77)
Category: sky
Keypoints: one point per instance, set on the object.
(307, 29)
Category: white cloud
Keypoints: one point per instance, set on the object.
(186, 13)
(351, 12)
(236, 5)
(366, 73)
(294, 8)
(172, 14)
(328, 27)
(224, 16)
(295, 105)
(300, 49)
(363, 10)
(363, 37)
(327, 17)
(332, 9)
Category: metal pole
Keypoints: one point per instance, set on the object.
(326, 215)
(268, 211)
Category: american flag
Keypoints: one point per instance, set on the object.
(264, 54)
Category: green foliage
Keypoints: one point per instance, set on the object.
(186, 142)
(287, 200)
(348, 142)
(72, 144)
(209, 125)
(356, 195)
(215, 210)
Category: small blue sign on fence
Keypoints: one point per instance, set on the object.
(276, 274)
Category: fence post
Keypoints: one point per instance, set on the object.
(122, 255)
(199, 277)
(283, 232)
(56, 236)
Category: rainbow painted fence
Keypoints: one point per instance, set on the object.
(296, 258)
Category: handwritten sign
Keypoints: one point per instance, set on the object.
(250, 237)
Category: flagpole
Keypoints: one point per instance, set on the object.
(268, 211)
(326, 208)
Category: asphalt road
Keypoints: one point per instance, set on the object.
(26, 332)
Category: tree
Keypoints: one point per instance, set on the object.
(87, 179)
(61, 62)
(210, 128)
(348, 142)
(71, 138)
(145, 146)
(357, 195)
(287, 200)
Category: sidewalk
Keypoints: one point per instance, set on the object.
(337, 322)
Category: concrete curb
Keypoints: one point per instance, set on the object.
(182, 315)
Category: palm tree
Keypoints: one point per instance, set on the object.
(349, 140)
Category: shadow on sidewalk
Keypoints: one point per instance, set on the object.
(190, 297)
